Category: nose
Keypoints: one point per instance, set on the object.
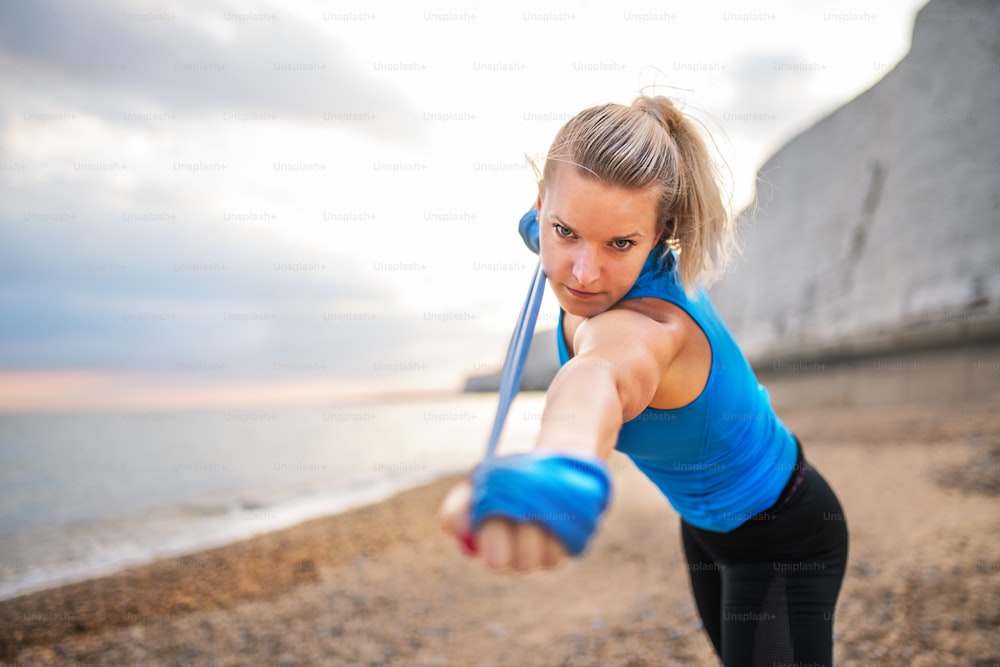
(586, 267)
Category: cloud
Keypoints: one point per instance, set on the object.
(252, 269)
(88, 285)
(197, 59)
(145, 267)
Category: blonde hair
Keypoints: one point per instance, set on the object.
(652, 144)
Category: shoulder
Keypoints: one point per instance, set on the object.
(643, 325)
(657, 310)
(650, 347)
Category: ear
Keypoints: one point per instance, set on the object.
(541, 191)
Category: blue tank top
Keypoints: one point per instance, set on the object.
(725, 456)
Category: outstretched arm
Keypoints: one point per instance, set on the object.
(620, 356)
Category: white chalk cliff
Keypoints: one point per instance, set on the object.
(879, 227)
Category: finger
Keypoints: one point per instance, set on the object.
(529, 547)
(555, 552)
(455, 509)
(496, 541)
(469, 545)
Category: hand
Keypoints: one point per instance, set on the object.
(502, 543)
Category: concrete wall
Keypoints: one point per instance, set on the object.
(948, 375)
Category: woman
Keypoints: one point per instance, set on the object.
(631, 227)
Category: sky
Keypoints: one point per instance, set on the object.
(221, 204)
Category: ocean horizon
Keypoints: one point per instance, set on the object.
(84, 495)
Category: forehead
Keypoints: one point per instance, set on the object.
(590, 206)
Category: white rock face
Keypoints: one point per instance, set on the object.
(883, 219)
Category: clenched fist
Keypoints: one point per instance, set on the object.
(502, 543)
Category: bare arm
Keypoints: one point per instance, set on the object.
(621, 355)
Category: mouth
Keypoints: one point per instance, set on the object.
(581, 295)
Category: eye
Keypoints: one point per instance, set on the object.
(622, 244)
(562, 230)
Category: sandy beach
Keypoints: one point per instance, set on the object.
(382, 585)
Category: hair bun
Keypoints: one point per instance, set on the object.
(663, 110)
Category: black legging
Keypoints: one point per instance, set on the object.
(766, 591)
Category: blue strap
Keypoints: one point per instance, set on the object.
(565, 494)
(528, 228)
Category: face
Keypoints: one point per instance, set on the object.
(594, 239)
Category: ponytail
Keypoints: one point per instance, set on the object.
(653, 144)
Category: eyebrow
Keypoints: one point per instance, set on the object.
(615, 238)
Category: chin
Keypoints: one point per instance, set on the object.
(583, 309)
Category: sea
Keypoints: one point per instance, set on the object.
(88, 494)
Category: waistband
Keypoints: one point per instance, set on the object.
(795, 481)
